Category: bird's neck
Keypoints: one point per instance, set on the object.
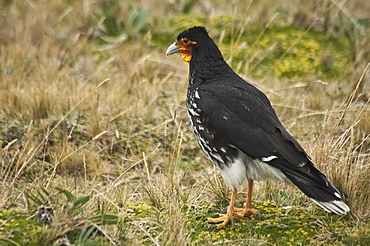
(206, 67)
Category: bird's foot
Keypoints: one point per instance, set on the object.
(246, 213)
(235, 213)
(222, 220)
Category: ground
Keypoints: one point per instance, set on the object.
(94, 128)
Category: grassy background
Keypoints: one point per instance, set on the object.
(93, 120)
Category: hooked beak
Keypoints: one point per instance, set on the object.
(172, 49)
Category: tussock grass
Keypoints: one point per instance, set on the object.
(90, 105)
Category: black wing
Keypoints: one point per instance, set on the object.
(242, 116)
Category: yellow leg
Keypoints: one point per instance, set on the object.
(225, 218)
(247, 210)
(233, 212)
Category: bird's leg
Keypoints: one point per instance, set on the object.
(247, 210)
(238, 213)
(225, 218)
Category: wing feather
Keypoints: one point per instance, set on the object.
(242, 116)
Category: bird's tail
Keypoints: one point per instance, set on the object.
(319, 188)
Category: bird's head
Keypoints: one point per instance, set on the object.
(188, 41)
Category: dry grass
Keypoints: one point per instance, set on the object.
(108, 119)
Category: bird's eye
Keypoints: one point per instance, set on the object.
(185, 40)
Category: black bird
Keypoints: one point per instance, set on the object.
(239, 131)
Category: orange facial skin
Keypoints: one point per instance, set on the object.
(185, 48)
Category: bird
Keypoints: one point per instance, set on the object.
(238, 130)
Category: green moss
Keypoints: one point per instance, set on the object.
(278, 226)
(292, 226)
(282, 226)
(297, 53)
(288, 51)
(15, 227)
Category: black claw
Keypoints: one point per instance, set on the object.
(258, 215)
(216, 223)
(247, 216)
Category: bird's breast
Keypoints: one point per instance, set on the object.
(199, 125)
(213, 145)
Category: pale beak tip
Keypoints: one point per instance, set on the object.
(172, 49)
